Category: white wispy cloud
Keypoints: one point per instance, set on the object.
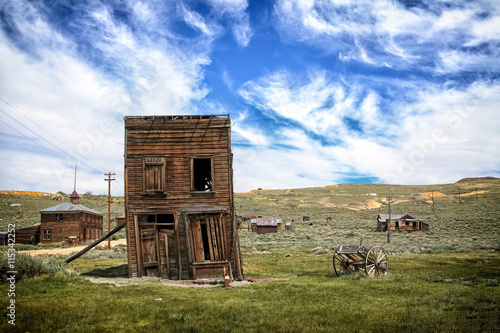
(235, 12)
(386, 33)
(79, 103)
(441, 136)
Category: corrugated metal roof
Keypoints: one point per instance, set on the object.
(267, 221)
(69, 207)
(384, 217)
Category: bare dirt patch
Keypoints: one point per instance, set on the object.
(436, 194)
(473, 193)
(204, 283)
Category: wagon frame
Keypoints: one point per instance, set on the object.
(350, 258)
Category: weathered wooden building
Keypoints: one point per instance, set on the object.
(262, 225)
(400, 222)
(179, 197)
(69, 221)
(29, 235)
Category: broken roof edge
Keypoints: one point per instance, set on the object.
(179, 117)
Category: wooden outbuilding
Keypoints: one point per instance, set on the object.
(66, 221)
(29, 235)
(400, 222)
(179, 207)
(262, 225)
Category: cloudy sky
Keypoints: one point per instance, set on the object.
(319, 92)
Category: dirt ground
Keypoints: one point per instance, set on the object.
(204, 283)
(69, 250)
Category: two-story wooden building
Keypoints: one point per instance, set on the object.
(179, 197)
(69, 221)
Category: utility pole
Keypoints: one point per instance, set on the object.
(389, 222)
(432, 195)
(109, 180)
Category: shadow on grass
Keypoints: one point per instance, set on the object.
(116, 271)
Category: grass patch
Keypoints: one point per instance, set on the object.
(27, 266)
(425, 293)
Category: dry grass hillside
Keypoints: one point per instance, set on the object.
(466, 215)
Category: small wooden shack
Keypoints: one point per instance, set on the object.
(262, 225)
(179, 207)
(29, 235)
(60, 223)
(400, 222)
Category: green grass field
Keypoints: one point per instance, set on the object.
(445, 280)
(424, 293)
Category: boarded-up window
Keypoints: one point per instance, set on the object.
(154, 174)
(208, 237)
(201, 174)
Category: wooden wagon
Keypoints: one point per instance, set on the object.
(350, 258)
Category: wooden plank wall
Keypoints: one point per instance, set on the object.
(72, 224)
(178, 141)
(30, 235)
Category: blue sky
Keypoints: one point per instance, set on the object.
(319, 92)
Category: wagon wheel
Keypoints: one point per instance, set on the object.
(341, 264)
(376, 262)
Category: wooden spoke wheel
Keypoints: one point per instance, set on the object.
(376, 262)
(341, 264)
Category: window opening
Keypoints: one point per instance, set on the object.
(46, 234)
(58, 218)
(204, 238)
(208, 238)
(167, 221)
(202, 174)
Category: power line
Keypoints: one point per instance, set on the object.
(27, 137)
(66, 153)
(40, 127)
(47, 141)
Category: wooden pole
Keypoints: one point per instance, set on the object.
(109, 179)
(389, 222)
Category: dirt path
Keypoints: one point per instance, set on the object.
(71, 249)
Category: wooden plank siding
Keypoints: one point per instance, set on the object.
(176, 141)
(85, 226)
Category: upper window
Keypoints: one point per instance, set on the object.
(154, 174)
(58, 217)
(201, 174)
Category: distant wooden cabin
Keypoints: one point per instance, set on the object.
(69, 222)
(179, 197)
(400, 222)
(265, 225)
(120, 219)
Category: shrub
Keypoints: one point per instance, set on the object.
(27, 266)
